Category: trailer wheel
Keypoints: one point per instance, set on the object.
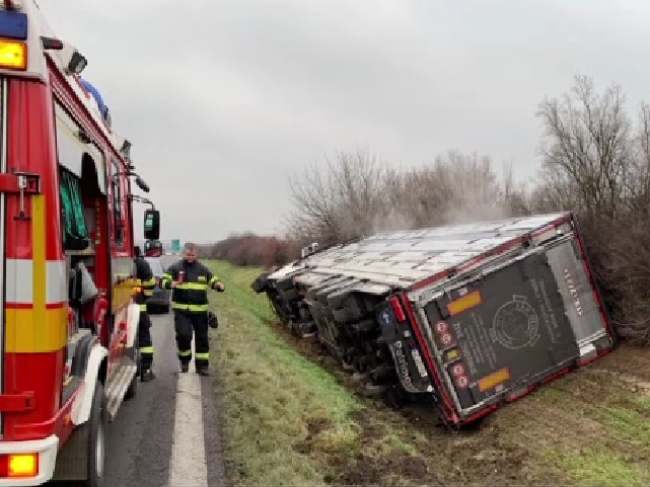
(96, 439)
(365, 326)
(290, 294)
(375, 389)
(349, 314)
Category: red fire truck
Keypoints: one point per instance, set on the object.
(69, 327)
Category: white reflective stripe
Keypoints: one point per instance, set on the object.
(20, 281)
(57, 287)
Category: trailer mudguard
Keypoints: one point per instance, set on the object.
(83, 403)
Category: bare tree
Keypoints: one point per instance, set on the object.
(587, 141)
(515, 195)
(597, 162)
(336, 200)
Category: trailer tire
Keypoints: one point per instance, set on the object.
(96, 440)
(283, 285)
(290, 295)
(373, 389)
(348, 314)
(365, 326)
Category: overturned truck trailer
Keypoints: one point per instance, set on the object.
(473, 315)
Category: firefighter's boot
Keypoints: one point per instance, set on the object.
(148, 375)
(185, 368)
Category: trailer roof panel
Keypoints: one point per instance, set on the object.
(403, 257)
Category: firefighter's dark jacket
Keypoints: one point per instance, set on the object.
(145, 282)
(192, 294)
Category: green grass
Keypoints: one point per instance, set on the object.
(602, 468)
(607, 440)
(270, 395)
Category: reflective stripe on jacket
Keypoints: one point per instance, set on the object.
(145, 283)
(191, 295)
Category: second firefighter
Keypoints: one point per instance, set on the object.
(146, 283)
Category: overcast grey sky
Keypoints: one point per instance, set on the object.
(224, 100)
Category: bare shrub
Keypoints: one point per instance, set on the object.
(252, 250)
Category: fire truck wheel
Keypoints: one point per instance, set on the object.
(96, 439)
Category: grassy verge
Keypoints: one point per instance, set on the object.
(291, 418)
(271, 398)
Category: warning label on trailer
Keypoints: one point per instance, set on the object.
(520, 326)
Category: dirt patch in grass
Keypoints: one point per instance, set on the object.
(293, 417)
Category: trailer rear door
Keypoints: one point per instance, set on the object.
(506, 330)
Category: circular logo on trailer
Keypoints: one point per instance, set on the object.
(516, 324)
(447, 339)
(462, 382)
(442, 326)
(385, 318)
(458, 370)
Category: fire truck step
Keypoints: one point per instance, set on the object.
(118, 383)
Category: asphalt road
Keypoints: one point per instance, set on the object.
(168, 434)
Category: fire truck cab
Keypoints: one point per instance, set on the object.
(68, 333)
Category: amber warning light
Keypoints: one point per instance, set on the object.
(13, 55)
(463, 304)
(19, 465)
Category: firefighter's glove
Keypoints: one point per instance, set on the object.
(213, 322)
(220, 287)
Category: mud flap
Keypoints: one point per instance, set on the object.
(71, 461)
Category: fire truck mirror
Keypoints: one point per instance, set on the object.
(151, 224)
(141, 184)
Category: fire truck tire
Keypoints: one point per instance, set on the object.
(96, 440)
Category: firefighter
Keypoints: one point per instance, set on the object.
(146, 282)
(190, 281)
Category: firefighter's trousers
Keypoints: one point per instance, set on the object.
(144, 340)
(185, 323)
